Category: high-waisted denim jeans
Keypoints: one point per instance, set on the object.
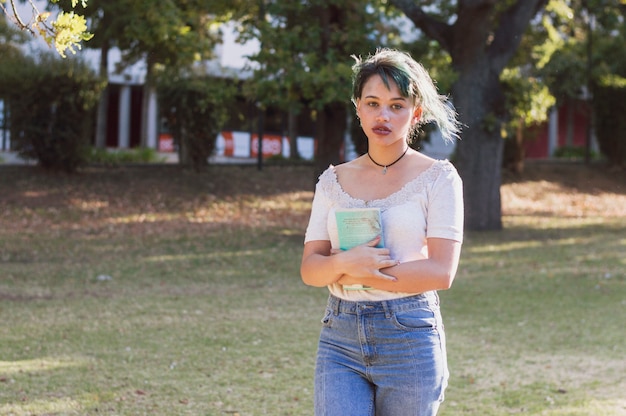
(385, 358)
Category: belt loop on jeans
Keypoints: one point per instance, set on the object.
(387, 309)
(335, 304)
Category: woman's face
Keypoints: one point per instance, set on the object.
(386, 116)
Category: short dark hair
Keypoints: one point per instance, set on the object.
(414, 83)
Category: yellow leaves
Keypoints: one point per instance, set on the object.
(74, 2)
(613, 80)
(560, 8)
(66, 32)
(42, 17)
(70, 29)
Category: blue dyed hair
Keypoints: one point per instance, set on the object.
(414, 83)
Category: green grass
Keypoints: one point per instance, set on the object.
(535, 320)
(115, 304)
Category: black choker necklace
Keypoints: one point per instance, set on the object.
(391, 164)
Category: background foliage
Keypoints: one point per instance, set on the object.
(196, 108)
(504, 63)
(52, 104)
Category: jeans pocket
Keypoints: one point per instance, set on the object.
(419, 319)
(327, 320)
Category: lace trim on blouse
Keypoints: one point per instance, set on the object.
(330, 185)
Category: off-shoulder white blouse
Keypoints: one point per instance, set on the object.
(430, 205)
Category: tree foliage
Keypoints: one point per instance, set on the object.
(585, 49)
(304, 63)
(65, 33)
(195, 107)
(159, 34)
(51, 102)
(481, 37)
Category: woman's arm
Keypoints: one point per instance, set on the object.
(320, 268)
(437, 272)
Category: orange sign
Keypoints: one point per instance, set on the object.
(272, 145)
(166, 143)
(229, 143)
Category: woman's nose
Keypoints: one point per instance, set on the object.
(383, 114)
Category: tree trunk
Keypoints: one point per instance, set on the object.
(514, 153)
(479, 152)
(481, 41)
(569, 132)
(184, 154)
(148, 89)
(331, 127)
(103, 103)
(292, 134)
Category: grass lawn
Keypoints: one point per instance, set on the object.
(158, 291)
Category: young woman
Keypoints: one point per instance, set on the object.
(382, 348)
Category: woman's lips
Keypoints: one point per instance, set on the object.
(381, 130)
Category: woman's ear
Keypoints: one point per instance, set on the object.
(417, 114)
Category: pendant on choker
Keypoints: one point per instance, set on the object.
(391, 164)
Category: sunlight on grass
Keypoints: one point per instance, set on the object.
(595, 407)
(56, 406)
(35, 194)
(220, 255)
(89, 204)
(175, 257)
(541, 223)
(513, 245)
(144, 217)
(38, 364)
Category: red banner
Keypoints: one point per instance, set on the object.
(272, 145)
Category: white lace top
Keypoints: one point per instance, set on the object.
(430, 205)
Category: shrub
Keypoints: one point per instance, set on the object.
(51, 102)
(121, 156)
(573, 152)
(610, 124)
(195, 107)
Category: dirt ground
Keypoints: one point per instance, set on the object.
(565, 189)
(545, 188)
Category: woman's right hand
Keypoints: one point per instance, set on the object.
(363, 261)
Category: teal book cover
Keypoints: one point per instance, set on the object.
(356, 226)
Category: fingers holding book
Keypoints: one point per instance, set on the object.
(364, 261)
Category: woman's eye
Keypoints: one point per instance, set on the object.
(372, 104)
(396, 107)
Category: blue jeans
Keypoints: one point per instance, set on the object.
(384, 358)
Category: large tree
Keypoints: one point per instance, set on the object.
(170, 34)
(107, 23)
(167, 33)
(481, 37)
(304, 61)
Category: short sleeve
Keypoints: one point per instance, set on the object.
(445, 208)
(318, 221)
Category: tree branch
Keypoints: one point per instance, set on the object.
(16, 17)
(512, 24)
(473, 4)
(433, 28)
